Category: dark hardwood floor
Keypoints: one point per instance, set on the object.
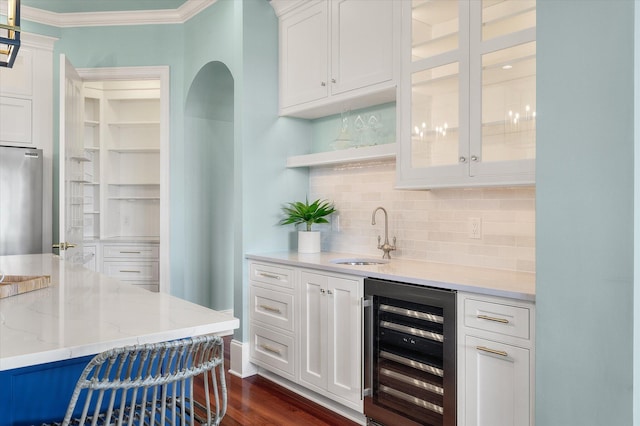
(258, 401)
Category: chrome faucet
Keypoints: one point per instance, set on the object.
(386, 247)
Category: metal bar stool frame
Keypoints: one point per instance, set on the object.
(152, 384)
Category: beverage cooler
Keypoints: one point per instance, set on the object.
(410, 355)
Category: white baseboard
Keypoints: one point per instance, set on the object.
(239, 360)
(347, 412)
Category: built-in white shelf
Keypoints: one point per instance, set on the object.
(135, 184)
(350, 155)
(135, 150)
(134, 123)
(126, 198)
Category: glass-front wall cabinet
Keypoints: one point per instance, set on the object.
(467, 103)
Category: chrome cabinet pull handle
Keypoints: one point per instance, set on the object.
(129, 271)
(491, 351)
(130, 252)
(494, 319)
(271, 309)
(271, 349)
(264, 274)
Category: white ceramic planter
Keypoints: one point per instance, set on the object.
(308, 241)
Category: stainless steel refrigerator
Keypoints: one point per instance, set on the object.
(20, 200)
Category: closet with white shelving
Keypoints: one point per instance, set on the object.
(122, 178)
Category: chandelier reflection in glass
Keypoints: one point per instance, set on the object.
(10, 34)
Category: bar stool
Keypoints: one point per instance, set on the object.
(151, 384)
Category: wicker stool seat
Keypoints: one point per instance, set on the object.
(151, 384)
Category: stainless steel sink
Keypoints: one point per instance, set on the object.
(358, 261)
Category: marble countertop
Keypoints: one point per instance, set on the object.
(84, 312)
(493, 282)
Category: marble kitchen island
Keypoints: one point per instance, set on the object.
(48, 335)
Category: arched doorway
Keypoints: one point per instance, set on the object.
(209, 184)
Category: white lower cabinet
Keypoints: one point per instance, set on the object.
(495, 361)
(136, 263)
(272, 312)
(306, 326)
(330, 336)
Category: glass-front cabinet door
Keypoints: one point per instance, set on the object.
(466, 105)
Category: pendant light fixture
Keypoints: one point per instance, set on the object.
(10, 34)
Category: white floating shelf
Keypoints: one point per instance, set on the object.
(350, 155)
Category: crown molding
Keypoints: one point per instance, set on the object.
(37, 40)
(182, 14)
(281, 7)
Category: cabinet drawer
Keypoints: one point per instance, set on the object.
(498, 318)
(272, 307)
(132, 271)
(131, 252)
(272, 274)
(272, 350)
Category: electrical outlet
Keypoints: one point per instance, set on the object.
(475, 228)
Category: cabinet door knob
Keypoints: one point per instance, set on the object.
(474, 158)
(333, 80)
(463, 159)
(323, 84)
(329, 292)
(322, 290)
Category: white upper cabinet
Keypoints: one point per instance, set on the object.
(467, 99)
(304, 55)
(337, 55)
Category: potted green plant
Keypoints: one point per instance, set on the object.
(299, 212)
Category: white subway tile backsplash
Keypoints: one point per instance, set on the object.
(429, 225)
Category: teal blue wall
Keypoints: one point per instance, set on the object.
(244, 37)
(263, 183)
(201, 236)
(584, 213)
(208, 190)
